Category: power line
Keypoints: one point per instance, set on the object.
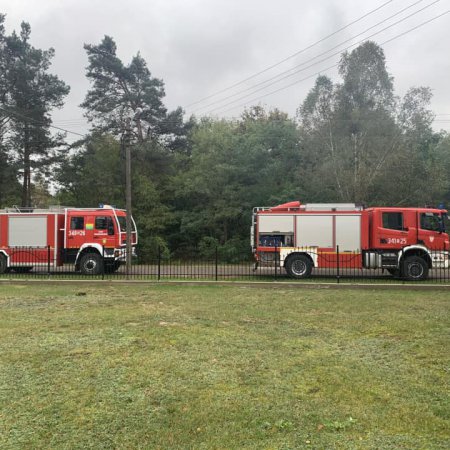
(71, 122)
(38, 122)
(291, 56)
(330, 67)
(277, 79)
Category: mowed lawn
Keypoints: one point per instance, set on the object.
(213, 367)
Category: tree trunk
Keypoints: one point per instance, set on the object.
(139, 130)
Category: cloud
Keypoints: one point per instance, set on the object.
(199, 47)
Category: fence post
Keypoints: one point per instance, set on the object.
(103, 262)
(338, 265)
(48, 259)
(400, 267)
(276, 259)
(443, 275)
(159, 262)
(217, 264)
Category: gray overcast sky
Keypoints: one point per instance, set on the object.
(199, 47)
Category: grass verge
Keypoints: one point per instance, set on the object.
(223, 367)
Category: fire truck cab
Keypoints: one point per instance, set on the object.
(93, 239)
(407, 242)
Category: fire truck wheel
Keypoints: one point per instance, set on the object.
(299, 266)
(415, 268)
(91, 264)
(3, 264)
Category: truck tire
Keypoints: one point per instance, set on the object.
(299, 266)
(3, 264)
(415, 268)
(91, 264)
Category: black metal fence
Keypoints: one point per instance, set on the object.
(345, 267)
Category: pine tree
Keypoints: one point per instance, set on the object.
(28, 94)
(120, 92)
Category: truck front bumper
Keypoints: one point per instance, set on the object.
(119, 254)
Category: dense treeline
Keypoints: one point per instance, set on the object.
(196, 181)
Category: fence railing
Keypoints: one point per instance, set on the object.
(336, 267)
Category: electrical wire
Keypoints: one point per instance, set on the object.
(278, 80)
(38, 122)
(279, 77)
(322, 70)
(290, 56)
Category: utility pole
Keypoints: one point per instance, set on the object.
(126, 142)
(127, 147)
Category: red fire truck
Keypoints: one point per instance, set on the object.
(407, 242)
(93, 239)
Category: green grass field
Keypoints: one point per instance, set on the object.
(211, 367)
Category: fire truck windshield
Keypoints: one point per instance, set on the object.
(123, 224)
